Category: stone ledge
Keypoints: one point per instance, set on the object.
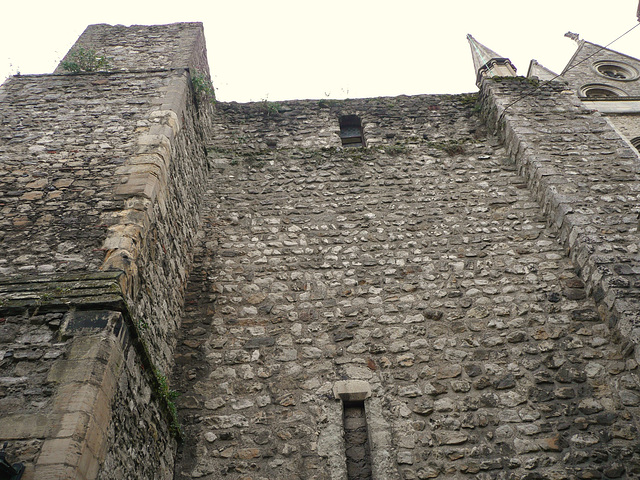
(49, 293)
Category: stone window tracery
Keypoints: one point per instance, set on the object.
(616, 70)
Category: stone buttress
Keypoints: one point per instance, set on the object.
(101, 176)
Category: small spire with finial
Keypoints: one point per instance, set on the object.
(488, 63)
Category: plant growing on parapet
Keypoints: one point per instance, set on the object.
(270, 108)
(468, 98)
(82, 59)
(395, 150)
(202, 86)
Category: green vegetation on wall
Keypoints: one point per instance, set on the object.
(85, 60)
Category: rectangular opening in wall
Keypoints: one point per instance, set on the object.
(356, 441)
(351, 132)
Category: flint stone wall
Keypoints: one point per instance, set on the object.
(422, 265)
(431, 265)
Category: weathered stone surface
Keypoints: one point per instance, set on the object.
(147, 47)
(100, 171)
(463, 278)
(428, 272)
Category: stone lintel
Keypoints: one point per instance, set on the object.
(352, 390)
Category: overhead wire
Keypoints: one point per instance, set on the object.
(522, 97)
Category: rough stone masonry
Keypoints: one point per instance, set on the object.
(456, 299)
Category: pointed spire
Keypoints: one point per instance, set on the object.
(488, 63)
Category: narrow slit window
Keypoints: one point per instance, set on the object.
(356, 439)
(351, 132)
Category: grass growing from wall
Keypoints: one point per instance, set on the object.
(82, 59)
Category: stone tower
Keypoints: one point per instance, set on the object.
(434, 286)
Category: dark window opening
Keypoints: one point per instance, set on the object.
(351, 132)
(356, 440)
(636, 143)
(614, 74)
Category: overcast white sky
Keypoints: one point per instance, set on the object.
(281, 49)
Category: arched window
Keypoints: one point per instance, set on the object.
(601, 91)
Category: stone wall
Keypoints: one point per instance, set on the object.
(151, 236)
(443, 303)
(391, 122)
(422, 266)
(585, 177)
(60, 374)
(28, 351)
(140, 437)
(62, 140)
(627, 125)
(104, 171)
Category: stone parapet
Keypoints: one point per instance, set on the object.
(422, 267)
(146, 47)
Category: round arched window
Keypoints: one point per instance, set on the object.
(601, 91)
(616, 70)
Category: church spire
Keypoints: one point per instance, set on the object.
(488, 63)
